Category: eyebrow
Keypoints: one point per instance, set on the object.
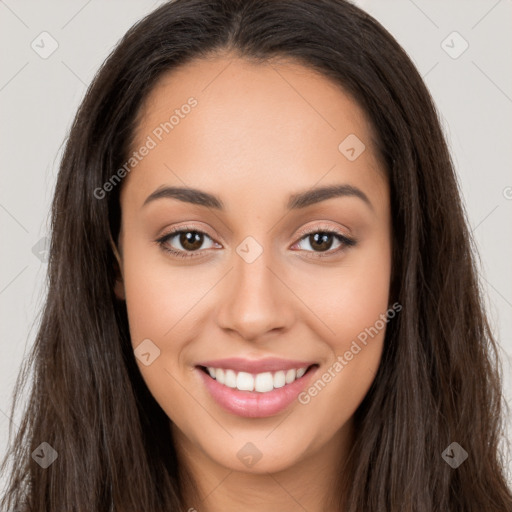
(295, 201)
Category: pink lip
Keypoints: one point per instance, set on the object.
(270, 364)
(252, 404)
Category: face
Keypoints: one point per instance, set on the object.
(251, 296)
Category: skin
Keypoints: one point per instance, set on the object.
(259, 133)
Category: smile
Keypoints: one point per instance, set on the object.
(260, 382)
(255, 388)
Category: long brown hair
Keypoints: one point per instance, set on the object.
(439, 378)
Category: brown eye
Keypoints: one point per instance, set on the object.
(321, 241)
(191, 240)
(184, 242)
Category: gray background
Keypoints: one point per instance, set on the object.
(39, 97)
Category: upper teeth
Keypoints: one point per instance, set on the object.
(261, 382)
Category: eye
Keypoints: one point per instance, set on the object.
(321, 240)
(190, 240)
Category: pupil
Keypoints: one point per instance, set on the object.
(322, 240)
(191, 240)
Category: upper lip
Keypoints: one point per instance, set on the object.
(270, 364)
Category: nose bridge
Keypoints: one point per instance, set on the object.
(253, 303)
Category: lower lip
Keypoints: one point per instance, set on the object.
(252, 404)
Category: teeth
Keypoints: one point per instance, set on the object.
(279, 379)
(261, 382)
(290, 376)
(264, 382)
(244, 381)
(230, 379)
(219, 375)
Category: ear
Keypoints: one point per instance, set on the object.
(119, 285)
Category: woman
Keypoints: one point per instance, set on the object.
(262, 292)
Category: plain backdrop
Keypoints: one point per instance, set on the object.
(463, 49)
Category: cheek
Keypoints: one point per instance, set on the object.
(364, 300)
(352, 297)
(161, 297)
(164, 302)
(160, 304)
(354, 302)
(357, 315)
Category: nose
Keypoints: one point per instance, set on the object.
(255, 301)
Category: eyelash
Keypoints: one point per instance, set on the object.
(346, 242)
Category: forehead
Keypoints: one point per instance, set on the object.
(271, 128)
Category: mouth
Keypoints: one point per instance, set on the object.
(263, 382)
(255, 389)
